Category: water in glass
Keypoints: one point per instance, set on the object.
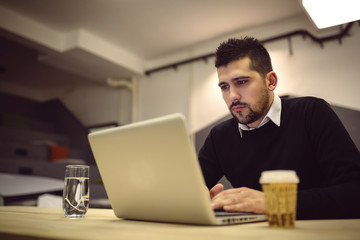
(76, 196)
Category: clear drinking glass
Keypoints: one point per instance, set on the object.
(76, 191)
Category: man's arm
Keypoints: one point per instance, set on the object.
(209, 164)
(339, 162)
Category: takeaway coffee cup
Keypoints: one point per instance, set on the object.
(280, 189)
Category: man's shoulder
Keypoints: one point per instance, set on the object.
(229, 124)
(226, 123)
(302, 102)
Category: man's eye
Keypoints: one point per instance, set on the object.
(224, 87)
(241, 82)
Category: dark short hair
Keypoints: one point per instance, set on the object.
(234, 49)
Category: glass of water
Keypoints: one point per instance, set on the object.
(76, 191)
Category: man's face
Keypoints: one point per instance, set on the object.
(245, 92)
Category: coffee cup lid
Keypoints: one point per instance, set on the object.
(279, 176)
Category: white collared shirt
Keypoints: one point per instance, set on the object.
(274, 114)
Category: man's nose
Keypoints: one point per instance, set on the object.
(234, 95)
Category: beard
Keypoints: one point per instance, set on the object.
(256, 111)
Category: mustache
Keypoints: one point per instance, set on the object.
(237, 103)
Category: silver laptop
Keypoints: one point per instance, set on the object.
(151, 173)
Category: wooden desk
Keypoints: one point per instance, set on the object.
(50, 223)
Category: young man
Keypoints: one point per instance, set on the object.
(269, 133)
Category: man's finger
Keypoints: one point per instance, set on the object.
(216, 190)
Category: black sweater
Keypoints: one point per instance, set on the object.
(311, 140)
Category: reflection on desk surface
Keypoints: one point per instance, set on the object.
(50, 223)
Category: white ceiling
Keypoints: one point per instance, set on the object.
(142, 29)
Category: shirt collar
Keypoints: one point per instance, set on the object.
(274, 114)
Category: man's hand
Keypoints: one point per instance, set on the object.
(237, 199)
(216, 190)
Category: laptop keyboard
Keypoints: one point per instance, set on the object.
(221, 212)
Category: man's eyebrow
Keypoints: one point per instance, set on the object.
(235, 79)
(240, 78)
(221, 83)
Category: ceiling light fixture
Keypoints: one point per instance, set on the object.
(328, 13)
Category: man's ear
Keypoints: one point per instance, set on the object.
(271, 80)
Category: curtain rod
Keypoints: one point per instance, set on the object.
(304, 33)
